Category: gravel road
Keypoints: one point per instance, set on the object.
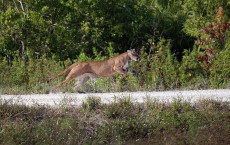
(58, 99)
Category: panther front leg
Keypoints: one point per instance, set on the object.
(120, 69)
(132, 71)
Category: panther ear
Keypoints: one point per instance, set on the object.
(131, 51)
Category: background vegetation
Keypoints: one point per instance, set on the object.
(121, 122)
(184, 44)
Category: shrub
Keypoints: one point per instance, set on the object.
(159, 67)
(192, 75)
(220, 70)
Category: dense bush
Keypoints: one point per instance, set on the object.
(157, 70)
(182, 43)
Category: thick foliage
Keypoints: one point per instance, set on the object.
(181, 43)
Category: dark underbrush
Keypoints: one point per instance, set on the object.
(122, 122)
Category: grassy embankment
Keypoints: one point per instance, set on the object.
(122, 122)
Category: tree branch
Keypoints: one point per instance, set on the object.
(20, 1)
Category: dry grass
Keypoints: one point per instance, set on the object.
(121, 122)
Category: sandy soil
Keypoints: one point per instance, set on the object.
(59, 99)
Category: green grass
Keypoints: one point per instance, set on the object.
(122, 122)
